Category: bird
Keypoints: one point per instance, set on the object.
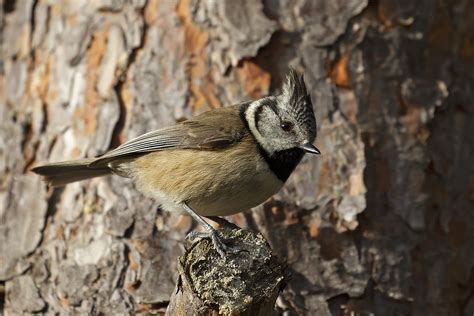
(218, 163)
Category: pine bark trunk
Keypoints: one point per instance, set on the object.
(381, 223)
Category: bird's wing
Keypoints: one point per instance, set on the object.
(211, 130)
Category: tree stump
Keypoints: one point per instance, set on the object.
(243, 283)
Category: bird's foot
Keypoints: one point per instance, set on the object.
(218, 241)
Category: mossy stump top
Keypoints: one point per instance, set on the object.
(246, 282)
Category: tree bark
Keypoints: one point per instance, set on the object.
(381, 223)
(246, 282)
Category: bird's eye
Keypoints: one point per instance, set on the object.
(286, 126)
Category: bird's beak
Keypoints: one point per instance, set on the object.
(310, 149)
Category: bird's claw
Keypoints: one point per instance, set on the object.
(218, 241)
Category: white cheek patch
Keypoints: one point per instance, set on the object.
(250, 117)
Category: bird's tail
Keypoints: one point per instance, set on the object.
(61, 173)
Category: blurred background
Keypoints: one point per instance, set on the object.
(382, 223)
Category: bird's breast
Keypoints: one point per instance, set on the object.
(213, 182)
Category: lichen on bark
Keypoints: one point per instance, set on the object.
(244, 282)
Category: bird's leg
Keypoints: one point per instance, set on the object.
(216, 238)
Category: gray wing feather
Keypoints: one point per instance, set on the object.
(162, 138)
(204, 134)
